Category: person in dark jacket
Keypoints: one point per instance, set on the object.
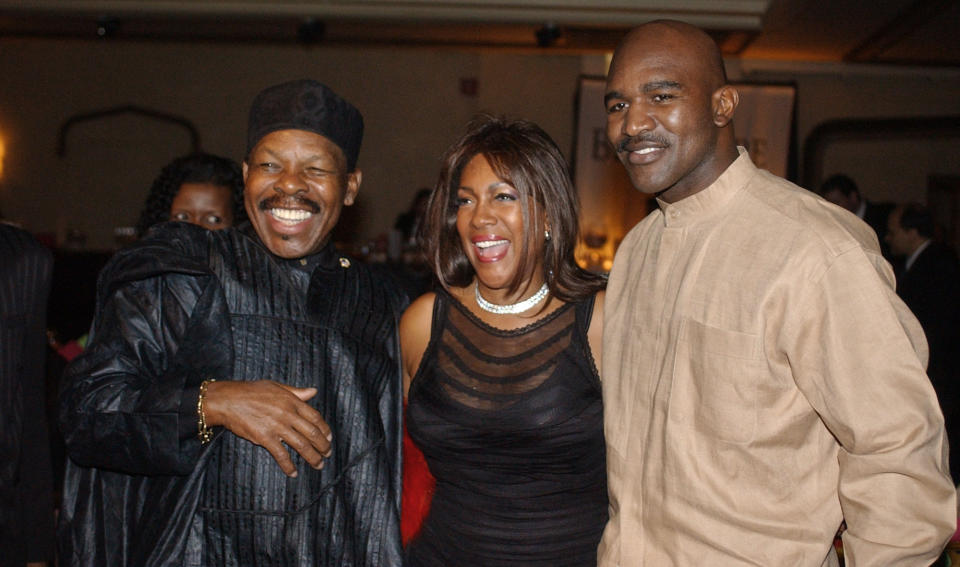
(928, 281)
(841, 190)
(26, 475)
(239, 400)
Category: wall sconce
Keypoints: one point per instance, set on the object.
(3, 153)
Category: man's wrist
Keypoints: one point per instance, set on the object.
(204, 432)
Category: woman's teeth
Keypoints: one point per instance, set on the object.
(489, 243)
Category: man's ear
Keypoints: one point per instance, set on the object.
(245, 168)
(353, 186)
(725, 101)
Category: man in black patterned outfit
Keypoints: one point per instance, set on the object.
(239, 401)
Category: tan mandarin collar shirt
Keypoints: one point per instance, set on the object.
(762, 382)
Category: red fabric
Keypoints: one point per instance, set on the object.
(418, 486)
(70, 350)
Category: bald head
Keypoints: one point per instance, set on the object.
(685, 39)
(670, 109)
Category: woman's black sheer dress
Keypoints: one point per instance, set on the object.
(511, 424)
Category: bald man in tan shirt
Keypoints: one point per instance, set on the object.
(762, 381)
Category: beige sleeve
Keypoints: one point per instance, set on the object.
(859, 355)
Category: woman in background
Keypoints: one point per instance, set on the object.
(202, 189)
(499, 366)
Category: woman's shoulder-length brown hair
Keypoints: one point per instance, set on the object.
(522, 154)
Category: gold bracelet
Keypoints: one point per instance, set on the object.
(203, 432)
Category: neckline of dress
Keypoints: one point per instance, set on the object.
(532, 326)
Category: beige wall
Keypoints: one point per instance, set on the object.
(409, 97)
(893, 168)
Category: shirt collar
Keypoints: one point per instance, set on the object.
(327, 257)
(713, 198)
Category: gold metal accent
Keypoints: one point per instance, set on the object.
(203, 432)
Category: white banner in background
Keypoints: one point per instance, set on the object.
(763, 122)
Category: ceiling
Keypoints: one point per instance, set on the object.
(892, 32)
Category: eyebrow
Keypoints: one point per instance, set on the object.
(647, 88)
(611, 95)
(269, 153)
(277, 155)
(659, 85)
(493, 185)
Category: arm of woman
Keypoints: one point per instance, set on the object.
(415, 326)
(595, 332)
(418, 483)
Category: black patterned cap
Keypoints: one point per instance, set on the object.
(307, 105)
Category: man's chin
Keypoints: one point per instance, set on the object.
(640, 179)
(290, 247)
(645, 186)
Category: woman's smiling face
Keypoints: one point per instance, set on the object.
(490, 223)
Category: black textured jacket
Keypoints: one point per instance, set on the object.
(26, 476)
(184, 305)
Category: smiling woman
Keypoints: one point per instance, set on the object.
(492, 224)
(503, 389)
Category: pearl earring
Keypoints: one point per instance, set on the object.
(546, 235)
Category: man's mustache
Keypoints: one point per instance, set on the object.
(288, 202)
(646, 137)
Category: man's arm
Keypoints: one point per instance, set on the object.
(858, 355)
(272, 415)
(129, 402)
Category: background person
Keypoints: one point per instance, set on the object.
(841, 190)
(202, 189)
(239, 400)
(405, 251)
(503, 394)
(928, 281)
(408, 222)
(26, 473)
(762, 381)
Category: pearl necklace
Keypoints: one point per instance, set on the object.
(513, 308)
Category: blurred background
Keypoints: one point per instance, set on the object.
(97, 95)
